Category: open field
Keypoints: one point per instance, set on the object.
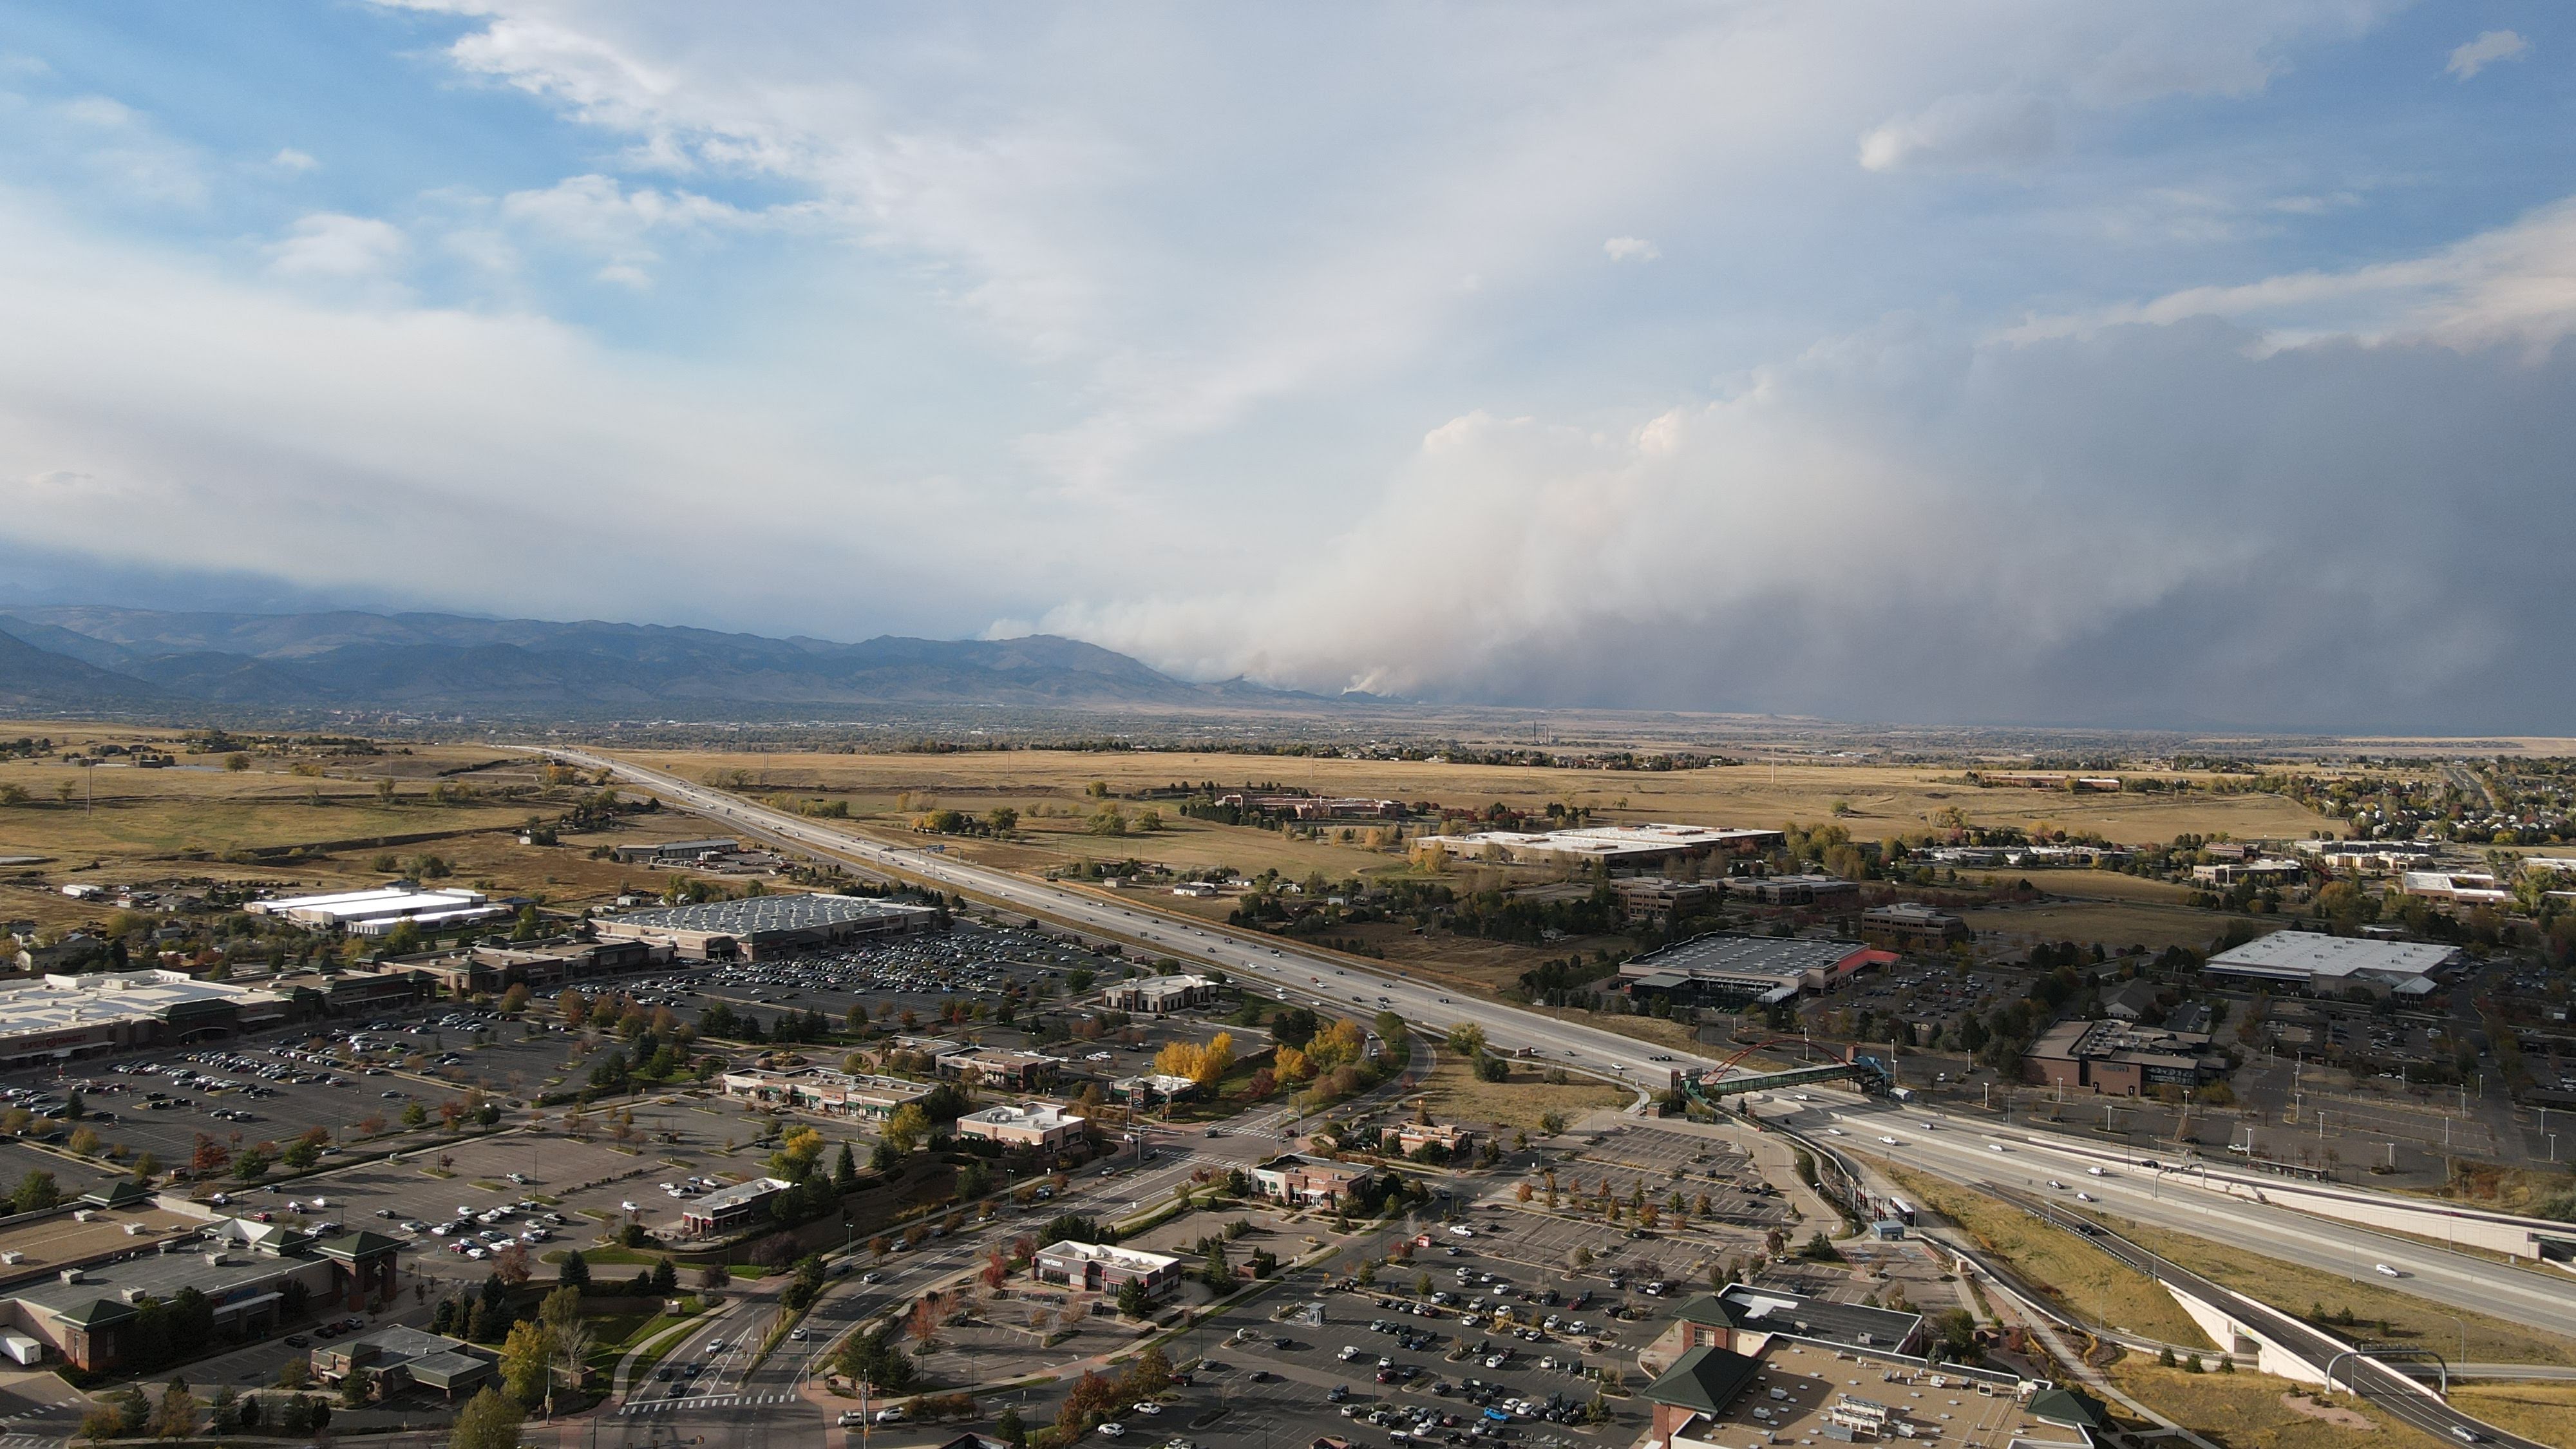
(1883, 800)
(1456, 1096)
(298, 817)
(2411, 1321)
(2252, 1411)
(2085, 1279)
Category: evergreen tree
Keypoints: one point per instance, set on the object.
(666, 1278)
(574, 1272)
(845, 1172)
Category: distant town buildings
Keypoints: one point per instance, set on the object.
(1659, 899)
(1000, 1067)
(2455, 888)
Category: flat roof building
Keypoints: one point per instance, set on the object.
(675, 852)
(758, 927)
(1743, 1317)
(1307, 1181)
(377, 911)
(1731, 970)
(1000, 1067)
(823, 1090)
(400, 1357)
(1040, 1125)
(729, 1208)
(1656, 898)
(65, 1016)
(2311, 961)
(2455, 887)
(1099, 1268)
(1914, 923)
(1615, 845)
(2120, 1059)
(1793, 890)
(1160, 994)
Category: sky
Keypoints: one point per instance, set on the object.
(2198, 365)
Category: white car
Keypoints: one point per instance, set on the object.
(2084, 1197)
(2387, 1272)
(1890, 1141)
(1113, 1429)
(1148, 1408)
(1461, 1230)
(1995, 1147)
(1834, 1132)
(2053, 1182)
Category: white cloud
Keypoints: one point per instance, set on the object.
(331, 246)
(1964, 133)
(1630, 249)
(2486, 50)
(291, 160)
(2515, 284)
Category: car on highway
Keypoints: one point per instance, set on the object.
(2387, 1272)
(2097, 1172)
(1834, 1132)
(2053, 1182)
(2084, 1197)
(1890, 1141)
(1996, 1147)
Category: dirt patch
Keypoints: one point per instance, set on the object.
(2345, 1418)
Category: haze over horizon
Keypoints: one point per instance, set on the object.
(2200, 364)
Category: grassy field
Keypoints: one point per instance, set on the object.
(1880, 800)
(2543, 1412)
(2411, 1320)
(2248, 1410)
(1456, 1096)
(2084, 1279)
(198, 820)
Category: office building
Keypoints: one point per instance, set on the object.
(1039, 1126)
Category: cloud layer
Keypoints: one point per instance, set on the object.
(2001, 361)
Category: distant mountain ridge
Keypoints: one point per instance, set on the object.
(71, 657)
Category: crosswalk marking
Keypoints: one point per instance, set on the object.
(664, 1406)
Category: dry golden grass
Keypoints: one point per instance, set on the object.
(1456, 1095)
(2542, 1412)
(1883, 800)
(2246, 1410)
(128, 825)
(2087, 1281)
(2412, 1321)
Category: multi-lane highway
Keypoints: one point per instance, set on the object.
(1330, 981)
(1969, 1152)
(2401, 1397)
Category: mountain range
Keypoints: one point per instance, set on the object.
(71, 658)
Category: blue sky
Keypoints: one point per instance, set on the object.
(2191, 364)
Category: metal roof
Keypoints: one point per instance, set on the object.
(759, 915)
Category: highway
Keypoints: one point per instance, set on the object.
(1964, 1152)
(2370, 1378)
(1333, 983)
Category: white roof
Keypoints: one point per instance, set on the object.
(61, 1001)
(1045, 1116)
(368, 905)
(2310, 953)
(1601, 840)
(1103, 1253)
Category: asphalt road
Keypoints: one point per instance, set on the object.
(2370, 1378)
(1964, 1152)
(1330, 981)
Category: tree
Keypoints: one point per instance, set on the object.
(488, 1421)
(906, 1129)
(527, 1359)
(1009, 1429)
(666, 1277)
(1552, 1123)
(845, 1172)
(1467, 1039)
(177, 1417)
(414, 1114)
(36, 1192)
(512, 1265)
(251, 1166)
(574, 1271)
(1131, 1298)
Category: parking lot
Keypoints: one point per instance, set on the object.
(916, 974)
(1665, 1161)
(1548, 1246)
(1300, 1363)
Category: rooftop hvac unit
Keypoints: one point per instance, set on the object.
(215, 1260)
(71, 1275)
(134, 1230)
(12, 1258)
(82, 1215)
(131, 1295)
